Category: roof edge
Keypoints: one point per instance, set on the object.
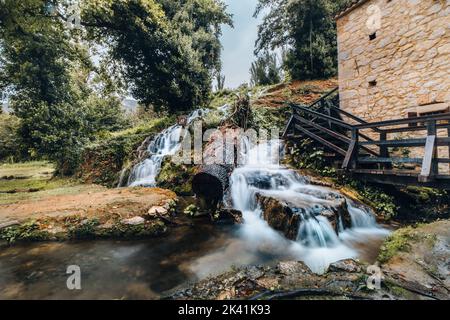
(350, 7)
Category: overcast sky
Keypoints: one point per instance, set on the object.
(238, 43)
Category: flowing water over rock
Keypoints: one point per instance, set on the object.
(317, 242)
(167, 143)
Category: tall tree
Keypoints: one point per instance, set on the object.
(265, 70)
(46, 70)
(307, 29)
(168, 49)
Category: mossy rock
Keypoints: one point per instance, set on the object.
(403, 240)
(176, 177)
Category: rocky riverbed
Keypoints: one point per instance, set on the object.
(414, 264)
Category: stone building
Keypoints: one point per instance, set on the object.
(394, 58)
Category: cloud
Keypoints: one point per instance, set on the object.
(239, 42)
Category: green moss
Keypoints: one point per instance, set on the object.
(29, 231)
(85, 230)
(402, 241)
(82, 229)
(175, 177)
(104, 160)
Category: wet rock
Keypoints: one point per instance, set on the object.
(229, 216)
(286, 217)
(293, 267)
(349, 265)
(135, 221)
(280, 216)
(341, 215)
(8, 224)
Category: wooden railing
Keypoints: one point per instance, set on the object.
(363, 143)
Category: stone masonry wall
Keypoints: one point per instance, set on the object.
(409, 59)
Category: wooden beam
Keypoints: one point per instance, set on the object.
(352, 152)
(322, 116)
(427, 166)
(321, 140)
(323, 129)
(395, 122)
(288, 125)
(390, 160)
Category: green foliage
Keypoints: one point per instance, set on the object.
(307, 28)
(46, 68)
(265, 70)
(177, 178)
(28, 231)
(11, 147)
(168, 49)
(383, 203)
(84, 230)
(402, 240)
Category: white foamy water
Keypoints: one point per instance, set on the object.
(317, 243)
(167, 143)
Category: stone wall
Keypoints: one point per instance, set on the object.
(409, 59)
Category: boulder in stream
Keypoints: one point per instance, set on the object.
(285, 216)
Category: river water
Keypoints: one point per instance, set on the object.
(152, 268)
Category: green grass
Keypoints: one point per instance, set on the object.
(32, 180)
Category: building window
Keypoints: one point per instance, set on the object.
(373, 36)
(427, 110)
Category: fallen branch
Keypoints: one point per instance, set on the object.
(275, 295)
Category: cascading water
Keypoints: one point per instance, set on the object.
(166, 143)
(317, 243)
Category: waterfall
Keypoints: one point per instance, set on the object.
(166, 143)
(317, 243)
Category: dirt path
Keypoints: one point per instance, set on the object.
(98, 201)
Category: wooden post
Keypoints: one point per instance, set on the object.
(384, 151)
(351, 159)
(448, 136)
(430, 166)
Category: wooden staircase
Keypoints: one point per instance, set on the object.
(363, 149)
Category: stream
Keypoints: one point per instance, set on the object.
(153, 268)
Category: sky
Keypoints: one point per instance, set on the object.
(238, 43)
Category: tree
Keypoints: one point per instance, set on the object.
(265, 70)
(307, 29)
(220, 81)
(46, 70)
(168, 49)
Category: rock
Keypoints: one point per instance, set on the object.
(135, 221)
(348, 265)
(292, 267)
(229, 215)
(8, 224)
(157, 211)
(280, 216)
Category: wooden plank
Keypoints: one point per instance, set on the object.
(323, 129)
(321, 140)
(352, 152)
(427, 166)
(424, 119)
(409, 129)
(390, 160)
(405, 142)
(395, 143)
(288, 126)
(322, 116)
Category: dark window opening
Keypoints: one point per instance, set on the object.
(373, 36)
(373, 83)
